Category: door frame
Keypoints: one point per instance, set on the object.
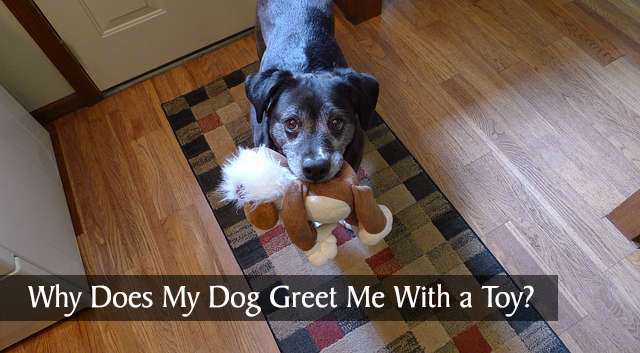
(86, 92)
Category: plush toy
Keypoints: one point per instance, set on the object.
(259, 181)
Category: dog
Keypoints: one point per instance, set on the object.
(307, 104)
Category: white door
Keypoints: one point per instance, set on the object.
(116, 40)
(35, 224)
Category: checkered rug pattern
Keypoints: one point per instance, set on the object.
(429, 237)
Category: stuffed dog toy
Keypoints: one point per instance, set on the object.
(259, 181)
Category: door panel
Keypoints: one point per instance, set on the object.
(120, 39)
(34, 217)
(110, 17)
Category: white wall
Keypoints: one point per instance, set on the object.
(24, 69)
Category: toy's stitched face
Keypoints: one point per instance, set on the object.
(312, 123)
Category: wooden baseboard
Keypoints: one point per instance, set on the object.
(626, 217)
(78, 227)
(357, 11)
(54, 110)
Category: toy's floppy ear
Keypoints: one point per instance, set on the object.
(294, 217)
(369, 214)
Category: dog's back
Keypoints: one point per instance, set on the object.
(298, 35)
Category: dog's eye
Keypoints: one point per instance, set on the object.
(336, 124)
(291, 124)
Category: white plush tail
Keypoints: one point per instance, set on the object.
(253, 175)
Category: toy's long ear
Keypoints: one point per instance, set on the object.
(294, 217)
(368, 212)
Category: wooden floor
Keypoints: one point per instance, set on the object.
(525, 112)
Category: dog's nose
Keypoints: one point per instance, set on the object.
(315, 169)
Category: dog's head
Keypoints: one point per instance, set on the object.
(314, 119)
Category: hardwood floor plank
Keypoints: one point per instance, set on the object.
(414, 14)
(135, 231)
(221, 61)
(570, 343)
(626, 80)
(72, 160)
(174, 83)
(79, 157)
(545, 232)
(592, 335)
(611, 116)
(617, 19)
(518, 18)
(530, 251)
(586, 15)
(578, 224)
(629, 7)
(618, 294)
(599, 109)
(599, 48)
(625, 278)
(585, 143)
(398, 27)
(523, 259)
(473, 32)
(155, 178)
(618, 89)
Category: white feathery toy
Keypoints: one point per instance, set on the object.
(254, 176)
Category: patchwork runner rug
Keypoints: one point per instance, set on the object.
(429, 238)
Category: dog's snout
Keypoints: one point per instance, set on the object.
(315, 169)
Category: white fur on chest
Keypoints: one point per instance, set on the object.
(325, 210)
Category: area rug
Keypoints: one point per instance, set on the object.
(429, 238)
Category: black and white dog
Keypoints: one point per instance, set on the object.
(307, 103)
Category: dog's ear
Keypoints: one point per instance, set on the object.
(365, 90)
(263, 87)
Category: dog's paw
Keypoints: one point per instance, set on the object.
(373, 239)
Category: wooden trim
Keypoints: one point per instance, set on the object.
(54, 110)
(626, 217)
(357, 11)
(39, 28)
(76, 220)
